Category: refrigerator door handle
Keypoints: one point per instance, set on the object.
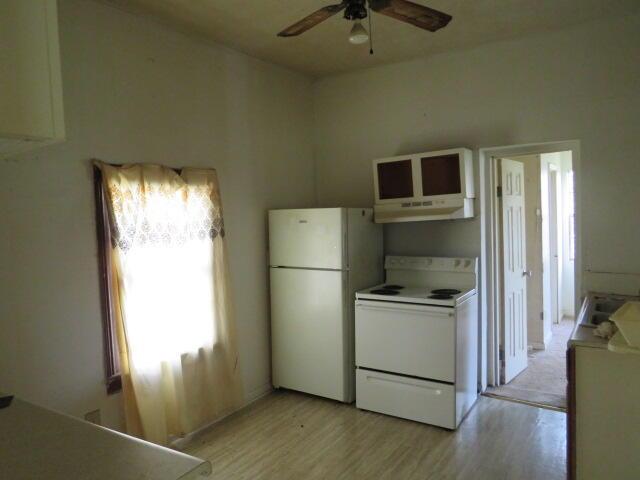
(345, 247)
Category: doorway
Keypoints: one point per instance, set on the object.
(533, 275)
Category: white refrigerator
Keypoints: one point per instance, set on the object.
(318, 258)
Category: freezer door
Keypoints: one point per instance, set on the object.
(309, 334)
(308, 238)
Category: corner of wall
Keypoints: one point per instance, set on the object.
(314, 141)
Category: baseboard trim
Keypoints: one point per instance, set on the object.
(249, 398)
(257, 393)
(537, 345)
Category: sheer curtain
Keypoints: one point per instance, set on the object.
(176, 334)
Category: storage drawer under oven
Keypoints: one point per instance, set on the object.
(405, 397)
(416, 340)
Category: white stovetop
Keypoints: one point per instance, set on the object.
(415, 294)
(421, 275)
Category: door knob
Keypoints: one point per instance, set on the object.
(527, 273)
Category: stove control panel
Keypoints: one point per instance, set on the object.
(434, 264)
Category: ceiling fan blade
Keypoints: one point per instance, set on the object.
(312, 20)
(405, 11)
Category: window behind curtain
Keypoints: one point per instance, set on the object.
(111, 353)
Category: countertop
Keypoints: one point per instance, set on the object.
(582, 336)
(39, 443)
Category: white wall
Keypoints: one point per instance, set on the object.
(580, 83)
(137, 92)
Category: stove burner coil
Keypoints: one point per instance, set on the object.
(384, 291)
(446, 291)
(393, 287)
(440, 296)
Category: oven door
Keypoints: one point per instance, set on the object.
(409, 339)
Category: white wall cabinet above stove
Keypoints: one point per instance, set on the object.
(424, 186)
(30, 79)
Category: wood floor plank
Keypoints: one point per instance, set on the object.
(289, 435)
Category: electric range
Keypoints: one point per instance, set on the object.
(417, 340)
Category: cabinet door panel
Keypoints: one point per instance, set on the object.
(30, 89)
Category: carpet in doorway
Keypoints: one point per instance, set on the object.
(544, 381)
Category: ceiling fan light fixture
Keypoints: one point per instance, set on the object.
(358, 34)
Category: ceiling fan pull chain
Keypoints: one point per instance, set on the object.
(370, 30)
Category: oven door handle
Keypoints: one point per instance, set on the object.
(404, 308)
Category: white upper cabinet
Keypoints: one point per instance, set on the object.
(31, 110)
(424, 186)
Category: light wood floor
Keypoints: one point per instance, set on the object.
(544, 381)
(288, 435)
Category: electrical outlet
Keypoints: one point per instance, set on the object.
(93, 417)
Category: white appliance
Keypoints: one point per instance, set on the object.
(424, 186)
(417, 340)
(318, 258)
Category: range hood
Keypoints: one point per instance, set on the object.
(448, 209)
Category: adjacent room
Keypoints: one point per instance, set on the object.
(535, 202)
(368, 239)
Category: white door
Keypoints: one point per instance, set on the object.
(308, 238)
(553, 245)
(309, 335)
(514, 269)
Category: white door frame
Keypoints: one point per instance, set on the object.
(553, 185)
(489, 266)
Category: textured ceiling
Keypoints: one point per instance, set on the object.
(251, 27)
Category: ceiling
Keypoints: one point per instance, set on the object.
(251, 27)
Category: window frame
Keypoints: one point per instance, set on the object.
(111, 353)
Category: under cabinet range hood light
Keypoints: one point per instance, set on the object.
(449, 209)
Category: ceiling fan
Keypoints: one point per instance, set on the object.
(357, 10)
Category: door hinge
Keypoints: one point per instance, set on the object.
(499, 192)
(541, 315)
